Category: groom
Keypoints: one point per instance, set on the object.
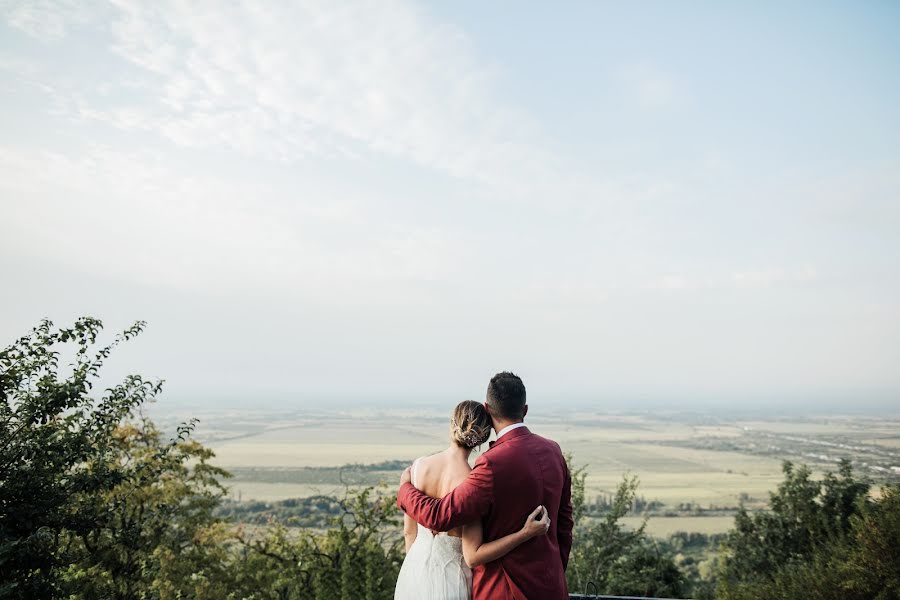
(521, 470)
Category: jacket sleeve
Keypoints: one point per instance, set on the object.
(470, 500)
(565, 523)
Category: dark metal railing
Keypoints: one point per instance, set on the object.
(583, 597)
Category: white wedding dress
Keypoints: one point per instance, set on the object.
(434, 567)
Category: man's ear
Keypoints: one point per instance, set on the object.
(487, 409)
(524, 411)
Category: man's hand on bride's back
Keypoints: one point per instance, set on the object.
(537, 523)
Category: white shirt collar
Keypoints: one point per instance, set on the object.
(509, 428)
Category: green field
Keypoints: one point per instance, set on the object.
(609, 447)
(662, 527)
(707, 463)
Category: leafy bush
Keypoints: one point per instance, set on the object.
(95, 504)
(803, 515)
(359, 557)
(57, 449)
(820, 540)
(608, 558)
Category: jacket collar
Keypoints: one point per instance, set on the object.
(509, 435)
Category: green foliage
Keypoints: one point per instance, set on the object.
(578, 476)
(56, 444)
(872, 568)
(153, 533)
(359, 557)
(832, 543)
(94, 504)
(804, 514)
(695, 555)
(608, 558)
(313, 511)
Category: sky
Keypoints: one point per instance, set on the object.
(314, 203)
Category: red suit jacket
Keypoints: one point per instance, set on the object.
(519, 472)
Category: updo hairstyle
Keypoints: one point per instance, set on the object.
(470, 424)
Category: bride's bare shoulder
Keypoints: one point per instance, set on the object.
(425, 466)
(439, 473)
(428, 462)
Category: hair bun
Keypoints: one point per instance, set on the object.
(470, 425)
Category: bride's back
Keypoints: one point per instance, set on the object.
(434, 567)
(437, 475)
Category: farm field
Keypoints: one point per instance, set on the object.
(662, 527)
(684, 462)
(608, 447)
(889, 442)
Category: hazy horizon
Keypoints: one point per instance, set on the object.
(653, 204)
(549, 405)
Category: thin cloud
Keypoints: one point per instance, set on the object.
(363, 176)
(46, 20)
(285, 81)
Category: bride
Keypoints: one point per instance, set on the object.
(438, 566)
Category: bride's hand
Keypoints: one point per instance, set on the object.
(535, 526)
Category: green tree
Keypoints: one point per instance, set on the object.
(608, 558)
(804, 514)
(154, 534)
(359, 557)
(863, 565)
(872, 568)
(833, 543)
(93, 503)
(54, 443)
(578, 476)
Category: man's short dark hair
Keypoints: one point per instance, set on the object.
(506, 396)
